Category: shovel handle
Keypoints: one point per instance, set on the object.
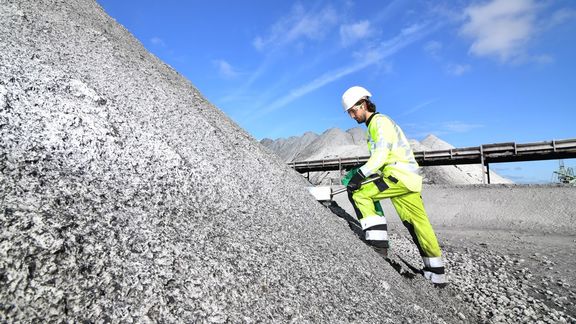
(362, 183)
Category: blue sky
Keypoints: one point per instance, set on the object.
(470, 72)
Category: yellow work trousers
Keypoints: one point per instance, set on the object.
(409, 207)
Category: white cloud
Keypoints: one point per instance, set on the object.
(421, 130)
(225, 69)
(363, 59)
(313, 85)
(157, 41)
(433, 48)
(300, 24)
(500, 28)
(258, 43)
(368, 54)
(458, 69)
(561, 16)
(419, 106)
(406, 37)
(349, 34)
(459, 127)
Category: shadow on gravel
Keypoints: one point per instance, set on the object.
(352, 221)
(412, 268)
(398, 267)
(357, 229)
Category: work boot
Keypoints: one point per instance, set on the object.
(437, 279)
(440, 285)
(383, 251)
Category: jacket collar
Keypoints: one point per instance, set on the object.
(370, 118)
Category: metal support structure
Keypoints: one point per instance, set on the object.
(484, 154)
(565, 174)
(483, 164)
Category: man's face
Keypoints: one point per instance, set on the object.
(358, 112)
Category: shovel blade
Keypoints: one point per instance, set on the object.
(323, 193)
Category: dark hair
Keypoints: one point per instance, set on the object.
(370, 106)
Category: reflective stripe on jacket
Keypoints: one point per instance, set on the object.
(390, 153)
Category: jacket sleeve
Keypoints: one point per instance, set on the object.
(381, 135)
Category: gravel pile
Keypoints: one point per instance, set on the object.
(499, 289)
(495, 288)
(126, 197)
(508, 249)
(288, 148)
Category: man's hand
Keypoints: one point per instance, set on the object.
(356, 181)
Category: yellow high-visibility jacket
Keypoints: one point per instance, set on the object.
(390, 153)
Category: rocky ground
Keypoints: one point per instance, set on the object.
(501, 275)
(125, 196)
(512, 277)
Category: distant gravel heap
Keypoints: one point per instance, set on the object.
(288, 149)
(454, 174)
(335, 143)
(126, 197)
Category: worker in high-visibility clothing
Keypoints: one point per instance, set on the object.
(391, 158)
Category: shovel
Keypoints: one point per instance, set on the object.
(325, 193)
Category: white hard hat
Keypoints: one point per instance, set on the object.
(353, 95)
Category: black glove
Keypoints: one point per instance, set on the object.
(356, 181)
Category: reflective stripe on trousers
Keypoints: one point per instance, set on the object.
(410, 209)
(434, 269)
(375, 230)
(434, 277)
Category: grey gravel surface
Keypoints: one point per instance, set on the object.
(126, 197)
(509, 249)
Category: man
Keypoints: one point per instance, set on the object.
(391, 158)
